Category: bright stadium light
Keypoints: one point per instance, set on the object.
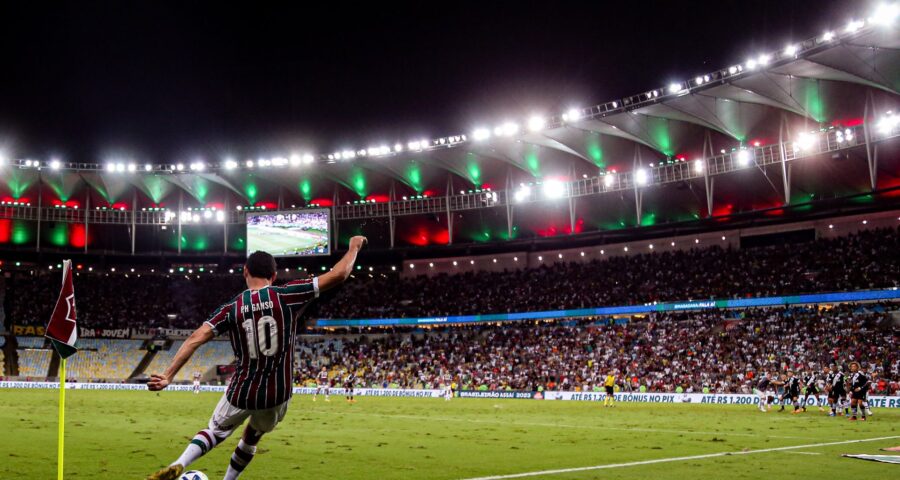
(855, 25)
(249, 163)
(230, 164)
(763, 60)
(554, 189)
(804, 141)
(608, 180)
(179, 166)
(308, 159)
(743, 157)
(536, 123)
(120, 167)
(572, 115)
(295, 160)
(398, 148)
(348, 154)
(751, 64)
(54, 164)
(885, 14)
(132, 167)
(790, 50)
(828, 36)
(698, 80)
(478, 135)
(522, 194)
(732, 69)
(110, 167)
(640, 176)
(508, 129)
(207, 214)
(699, 166)
(888, 123)
(148, 167)
(675, 87)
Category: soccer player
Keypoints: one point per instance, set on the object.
(262, 325)
(859, 388)
(448, 386)
(838, 391)
(610, 385)
(349, 380)
(322, 384)
(196, 383)
(792, 392)
(763, 390)
(811, 381)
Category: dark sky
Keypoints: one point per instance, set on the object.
(165, 81)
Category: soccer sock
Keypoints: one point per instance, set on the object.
(242, 456)
(854, 411)
(203, 442)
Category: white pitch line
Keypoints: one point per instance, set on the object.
(562, 425)
(673, 459)
(804, 453)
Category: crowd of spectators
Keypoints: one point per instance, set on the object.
(719, 351)
(869, 259)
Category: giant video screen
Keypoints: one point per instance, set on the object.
(290, 234)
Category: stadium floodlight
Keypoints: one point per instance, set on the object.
(508, 129)
(888, 123)
(743, 157)
(763, 59)
(179, 166)
(249, 163)
(384, 150)
(608, 180)
(699, 166)
(398, 148)
(148, 167)
(54, 164)
(885, 14)
(640, 177)
(751, 64)
(230, 164)
(855, 25)
(295, 160)
(207, 214)
(572, 115)
(698, 80)
(308, 159)
(413, 145)
(348, 154)
(732, 69)
(828, 36)
(554, 189)
(804, 141)
(120, 167)
(675, 87)
(132, 167)
(791, 50)
(479, 134)
(536, 123)
(522, 194)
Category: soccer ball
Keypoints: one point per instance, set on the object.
(193, 475)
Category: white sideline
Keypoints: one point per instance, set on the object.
(673, 459)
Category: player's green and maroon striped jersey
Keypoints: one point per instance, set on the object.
(262, 329)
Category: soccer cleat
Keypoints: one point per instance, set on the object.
(863, 419)
(169, 473)
(852, 419)
(831, 414)
(821, 409)
(868, 412)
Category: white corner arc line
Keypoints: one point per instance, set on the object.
(673, 459)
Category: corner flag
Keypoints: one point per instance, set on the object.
(62, 330)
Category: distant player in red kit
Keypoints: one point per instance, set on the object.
(261, 324)
(322, 384)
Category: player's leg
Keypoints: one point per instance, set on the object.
(853, 405)
(796, 401)
(327, 394)
(225, 419)
(261, 422)
(318, 387)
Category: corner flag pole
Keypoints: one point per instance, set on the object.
(62, 418)
(63, 334)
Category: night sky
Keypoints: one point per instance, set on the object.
(164, 81)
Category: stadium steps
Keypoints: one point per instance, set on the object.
(11, 356)
(143, 364)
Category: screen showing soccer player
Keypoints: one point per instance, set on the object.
(286, 234)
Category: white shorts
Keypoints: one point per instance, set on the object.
(226, 418)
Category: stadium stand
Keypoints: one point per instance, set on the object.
(720, 351)
(105, 359)
(206, 358)
(2, 363)
(33, 363)
(30, 342)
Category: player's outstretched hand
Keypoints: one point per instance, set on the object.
(157, 383)
(357, 242)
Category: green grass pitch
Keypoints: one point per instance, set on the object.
(119, 435)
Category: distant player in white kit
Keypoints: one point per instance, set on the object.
(196, 383)
(262, 325)
(448, 386)
(322, 384)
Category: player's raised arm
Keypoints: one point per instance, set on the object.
(199, 337)
(342, 269)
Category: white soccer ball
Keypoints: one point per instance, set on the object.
(193, 475)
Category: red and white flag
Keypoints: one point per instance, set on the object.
(62, 330)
